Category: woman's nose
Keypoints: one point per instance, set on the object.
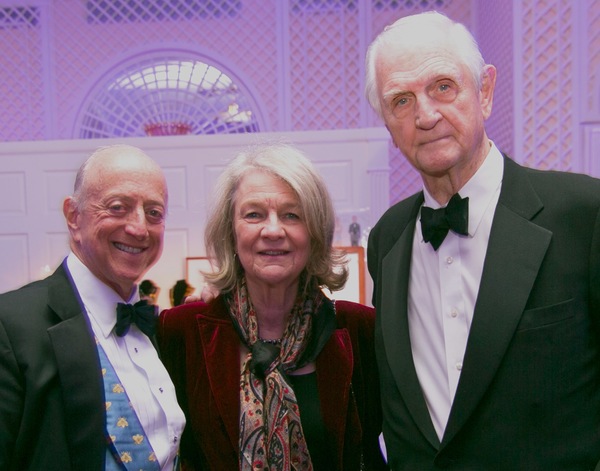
(273, 227)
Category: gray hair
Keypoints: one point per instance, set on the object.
(326, 265)
(405, 31)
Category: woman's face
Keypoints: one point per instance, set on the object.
(272, 240)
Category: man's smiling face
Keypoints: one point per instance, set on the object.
(118, 226)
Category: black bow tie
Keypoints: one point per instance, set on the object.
(435, 223)
(141, 313)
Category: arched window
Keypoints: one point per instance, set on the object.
(166, 96)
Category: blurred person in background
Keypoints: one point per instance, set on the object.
(149, 291)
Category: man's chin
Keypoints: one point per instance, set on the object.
(436, 164)
(128, 277)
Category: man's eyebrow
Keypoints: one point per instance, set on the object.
(154, 203)
(394, 93)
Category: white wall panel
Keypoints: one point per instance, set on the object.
(341, 184)
(56, 181)
(177, 185)
(56, 247)
(12, 193)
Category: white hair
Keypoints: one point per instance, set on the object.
(417, 29)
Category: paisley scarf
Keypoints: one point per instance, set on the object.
(271, 436)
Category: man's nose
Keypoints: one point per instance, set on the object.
(427, 114)
(137, 225)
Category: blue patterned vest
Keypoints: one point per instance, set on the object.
(128, 447)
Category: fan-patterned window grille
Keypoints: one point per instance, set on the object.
(166, 97)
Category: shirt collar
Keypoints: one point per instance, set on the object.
(480, 189)
(98, 298)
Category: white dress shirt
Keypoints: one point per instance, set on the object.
(136, 362)
(443, 289)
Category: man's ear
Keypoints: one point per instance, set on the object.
(486, 94)
(71, 214)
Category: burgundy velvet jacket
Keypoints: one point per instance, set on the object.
(200, 348)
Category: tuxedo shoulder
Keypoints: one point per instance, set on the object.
(402, 207)
(560, 177)
(35, 287)
(397, 216)
(27, 298)
(25, 315)
(566, 186)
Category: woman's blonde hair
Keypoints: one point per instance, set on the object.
(326, 265)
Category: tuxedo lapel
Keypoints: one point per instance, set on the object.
(515, 252)
(394, 327)
(79, 373)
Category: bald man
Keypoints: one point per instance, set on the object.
(82, 387)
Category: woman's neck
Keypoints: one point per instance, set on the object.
(272, 306)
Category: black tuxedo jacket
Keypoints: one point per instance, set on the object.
(51, 393)
(529, 392)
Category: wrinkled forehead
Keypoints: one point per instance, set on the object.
(144, 184)
(261, 183)
(419, 64)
